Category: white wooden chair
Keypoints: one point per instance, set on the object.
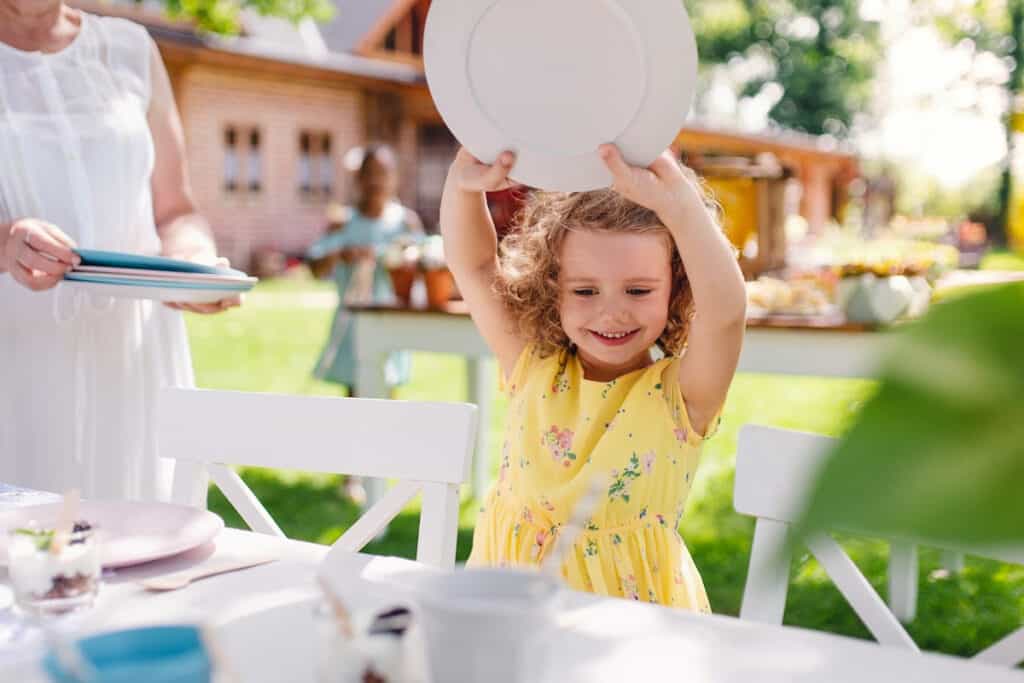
(775, 472)
(426, 446)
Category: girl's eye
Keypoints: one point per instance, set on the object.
(638, 291)
(585, 291)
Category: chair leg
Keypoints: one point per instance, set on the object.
(903, 581)
(439, 525)
(953, 561)
(764, 596)
(481, 392)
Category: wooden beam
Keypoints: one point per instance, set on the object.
(388, 20)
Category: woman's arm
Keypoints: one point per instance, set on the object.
(184, 233)
(471, 248)
(716, 333)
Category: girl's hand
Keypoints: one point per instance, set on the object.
(661, 187)
(471, 175)
(357, 254)
(213, 307)
(37, 254)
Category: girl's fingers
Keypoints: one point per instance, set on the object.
(621, 171)
(665, 166)
(496, 175)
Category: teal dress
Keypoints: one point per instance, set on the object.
(338, 360)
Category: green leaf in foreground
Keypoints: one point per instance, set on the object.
(938, 452)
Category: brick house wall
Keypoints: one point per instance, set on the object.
(278, 216)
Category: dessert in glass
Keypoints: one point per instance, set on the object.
(52, 574)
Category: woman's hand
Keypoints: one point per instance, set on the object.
(215, 306)
(663, 187)
(472, 175)
(37, 254)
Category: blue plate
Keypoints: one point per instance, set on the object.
(117, 259)
(158, 654)
(169, 284)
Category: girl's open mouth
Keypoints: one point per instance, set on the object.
(613, 338)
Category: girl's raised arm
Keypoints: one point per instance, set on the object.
(471, 247)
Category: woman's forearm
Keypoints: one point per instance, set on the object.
(187, 236)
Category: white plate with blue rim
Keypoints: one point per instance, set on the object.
(119, 259)
(554, 79)
(156, 290)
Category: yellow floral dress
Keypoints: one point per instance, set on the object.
(561, 431)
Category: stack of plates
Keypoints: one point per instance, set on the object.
(150, 277)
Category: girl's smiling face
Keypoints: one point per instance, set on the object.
(614, 291)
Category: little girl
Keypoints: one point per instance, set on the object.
(351, 244)
(584, 288)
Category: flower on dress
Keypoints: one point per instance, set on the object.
(630, 588)
(591, 548)
(546, 504)
(538, 546)
(681, 434)
(622, 481)
(559, 442)
(648, 459)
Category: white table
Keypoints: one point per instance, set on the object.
(594, 639)
(824, 348)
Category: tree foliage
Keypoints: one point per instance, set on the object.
(821, 53)
(224, 16)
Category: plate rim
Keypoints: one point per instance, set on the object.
(74, 276)
(671, 58)
(101, 257)
(164, 275)
(215, 522)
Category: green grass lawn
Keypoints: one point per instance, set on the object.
(1003, 260)
(272, 343)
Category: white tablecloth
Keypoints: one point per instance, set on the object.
(272, 637)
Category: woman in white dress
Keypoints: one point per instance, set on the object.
(91, 155)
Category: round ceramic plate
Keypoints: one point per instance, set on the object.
(131, 532)
(554, 79)
(168, 292)
(117, 259)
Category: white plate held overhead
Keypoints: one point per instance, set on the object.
(554, 79)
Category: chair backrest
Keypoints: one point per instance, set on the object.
(775, 473)
(426, 446)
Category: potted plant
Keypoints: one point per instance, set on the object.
(436, 275)
(401, 258)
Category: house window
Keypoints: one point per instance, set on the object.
(230, 159)
(255, 174)
(316, 165)
(243, 160)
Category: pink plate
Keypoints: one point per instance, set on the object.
(131, 532)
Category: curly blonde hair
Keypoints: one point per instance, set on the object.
(528, 278)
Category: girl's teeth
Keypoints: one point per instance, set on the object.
(609, 335)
